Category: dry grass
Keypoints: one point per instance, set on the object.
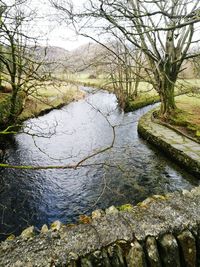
(50, 96)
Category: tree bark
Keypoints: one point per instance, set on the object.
(167, 98)
(13, 102)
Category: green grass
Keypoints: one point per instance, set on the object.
(83, 79)
(187, 118)
(188, 106)
(147, 95)
(48, 97)
(51, 95)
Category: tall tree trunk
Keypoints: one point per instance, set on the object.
(13, 102)
(168, 74)
(167, 98)
(136, 85)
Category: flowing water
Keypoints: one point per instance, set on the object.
(127, 173)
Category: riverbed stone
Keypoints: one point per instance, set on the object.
(153, 257)
(44, 229)
(28, 232)
(169, 251)
(55, 226)
(112, 210)
(187, 244)
(96, 214)
(136, 256)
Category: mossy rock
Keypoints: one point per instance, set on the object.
(132, 105)
(10, 237)
(28, 232)
(198, 133)
(84, 219)
(55, 226)
(126, 207)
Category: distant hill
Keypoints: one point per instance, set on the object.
(52, 53)
(76, 60)
(55, 56)
(87, 58)
(90, 58)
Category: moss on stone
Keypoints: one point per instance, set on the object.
(10, 237)
(198, 133)
(140, 102)
(126, 207)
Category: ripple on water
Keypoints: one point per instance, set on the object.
(133, 171)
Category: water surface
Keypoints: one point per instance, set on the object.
(129, 172)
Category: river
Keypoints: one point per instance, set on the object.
(129, 172)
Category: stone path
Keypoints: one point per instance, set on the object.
(182, 149)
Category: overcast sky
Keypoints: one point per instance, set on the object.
(56, 35)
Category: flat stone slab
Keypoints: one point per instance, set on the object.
(184, 150)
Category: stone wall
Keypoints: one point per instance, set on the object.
(160, 231)
(180, 148)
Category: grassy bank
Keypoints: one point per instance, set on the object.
(48, 97)
(51, 95)
(146, 94)
(187, 117)
(84, 79)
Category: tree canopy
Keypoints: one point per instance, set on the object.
(21, 70)
(164, 31)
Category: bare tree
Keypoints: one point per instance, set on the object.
(164, 31)
(21, 71)
(126, 69)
